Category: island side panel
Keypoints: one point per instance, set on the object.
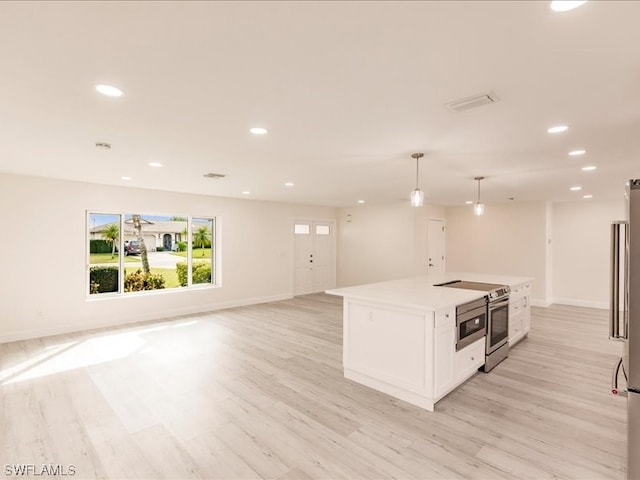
(389, 348)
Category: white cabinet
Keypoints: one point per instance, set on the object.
(452, 367)
(388, 344)
(519, 312)
(404, 352)
(444, 342)
(467, 361)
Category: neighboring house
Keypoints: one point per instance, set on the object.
(156, 233)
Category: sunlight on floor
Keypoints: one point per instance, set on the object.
(82, 353)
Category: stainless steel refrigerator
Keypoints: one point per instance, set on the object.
(625, 316)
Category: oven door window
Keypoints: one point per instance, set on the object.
(499, 325)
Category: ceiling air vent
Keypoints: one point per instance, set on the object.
(217, 176)
(472, 102)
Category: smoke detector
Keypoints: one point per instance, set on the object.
(475, 101)
(215, 176)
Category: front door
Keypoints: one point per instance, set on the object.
(166, 241)
(315, 257)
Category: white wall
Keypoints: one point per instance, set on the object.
(382, 242)
(42, 259)
(581, 248)
(509, 239)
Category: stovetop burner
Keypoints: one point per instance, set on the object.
(494, 291)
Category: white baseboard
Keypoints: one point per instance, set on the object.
(581, 303)
(29, 334)
(537, 302)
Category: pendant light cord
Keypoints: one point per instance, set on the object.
(478, 179)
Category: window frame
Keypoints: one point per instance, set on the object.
(215, 256)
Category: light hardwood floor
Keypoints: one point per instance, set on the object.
(258, 392)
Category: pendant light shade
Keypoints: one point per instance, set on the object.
(478, 208)
(417, 196)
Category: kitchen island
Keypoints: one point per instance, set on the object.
(399, 336)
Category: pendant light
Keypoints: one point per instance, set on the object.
(478, 208)
(417, 196)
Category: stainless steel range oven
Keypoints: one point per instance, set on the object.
(496, 316)
(497, 331)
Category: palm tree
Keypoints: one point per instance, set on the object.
(202, 236)
(111, 234)
(137, 226)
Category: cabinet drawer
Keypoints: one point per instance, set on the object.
(445, 317)
(522, 290)
(516, 306)
(469, 359)
(515, 326)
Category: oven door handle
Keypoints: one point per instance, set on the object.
(493, 306)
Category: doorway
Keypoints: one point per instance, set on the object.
(315, 256)
(166, 242)
(435, 246)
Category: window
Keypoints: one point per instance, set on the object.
(104, 253)
(153, 252)
(302, 229)
(201, 251)
(322, 229)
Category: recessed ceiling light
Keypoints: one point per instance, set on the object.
(575, 153)
(155, 164)
(558, 129)
(566, 5)
(575, 189)
(469, 202)
(125, 178)
(589, 168)
(360, 201)
(109, 90)
(289, 184)
(258, 130)
(246, 192)
(587, 196)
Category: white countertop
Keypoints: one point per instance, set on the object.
(419, 292)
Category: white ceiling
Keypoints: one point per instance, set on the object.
(348, 90)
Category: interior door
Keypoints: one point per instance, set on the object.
(303, 258)
(315, 256)
(323, 256)
(435, 246)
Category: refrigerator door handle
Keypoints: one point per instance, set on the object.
(625, 291)
(614, 310)
(615, 330)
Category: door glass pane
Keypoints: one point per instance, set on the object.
(104, 255)
(302, 229)
(322, 229)
(202, 251)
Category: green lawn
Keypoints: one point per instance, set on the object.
(197, 253)
(106, 258)
(170, 276)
